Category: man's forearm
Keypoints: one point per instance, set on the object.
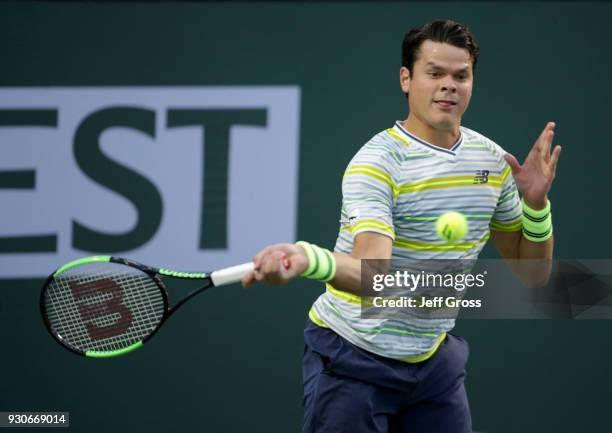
(348, 274)
(367, 245)
(535, 261)
(536, 250)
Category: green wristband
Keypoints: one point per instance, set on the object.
(536, 213)
(321, 262)
(537, 224)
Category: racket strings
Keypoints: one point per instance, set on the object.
(103, 306)
(106, 336)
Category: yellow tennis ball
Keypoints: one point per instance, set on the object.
(451, 226)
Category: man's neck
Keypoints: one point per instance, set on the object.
(441, 138)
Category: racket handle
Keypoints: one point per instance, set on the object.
(232, 274)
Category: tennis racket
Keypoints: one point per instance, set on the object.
(104, 306)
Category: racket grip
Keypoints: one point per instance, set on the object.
(232, 274)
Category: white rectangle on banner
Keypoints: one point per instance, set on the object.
(135, 136)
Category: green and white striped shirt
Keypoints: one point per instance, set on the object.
(398, 185)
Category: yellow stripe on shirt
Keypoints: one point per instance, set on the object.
(364, 225)
(395, 135)
(437, 246)
(448, 182)
(505, 174)
(345, 296)
(506, 227)
(373, 172)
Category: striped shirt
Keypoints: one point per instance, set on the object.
(398, 185)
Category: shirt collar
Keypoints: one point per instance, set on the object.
(451, 151)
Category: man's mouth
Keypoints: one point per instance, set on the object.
(445, 103)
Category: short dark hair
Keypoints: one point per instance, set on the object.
(445, 31)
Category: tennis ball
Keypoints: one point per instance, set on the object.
(451, 226)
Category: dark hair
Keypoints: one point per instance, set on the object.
(445, 31)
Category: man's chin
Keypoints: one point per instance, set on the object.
(446, 125)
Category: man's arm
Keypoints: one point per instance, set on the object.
(368, 245)
(533, 179)
(535, 264)
(513, 245)
(280, 263)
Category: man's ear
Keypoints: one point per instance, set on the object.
(405, 79)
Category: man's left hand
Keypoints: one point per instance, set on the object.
(534, 178)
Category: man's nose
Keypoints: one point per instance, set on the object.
(449, 85)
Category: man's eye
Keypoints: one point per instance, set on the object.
(434, 74)
(462, 77)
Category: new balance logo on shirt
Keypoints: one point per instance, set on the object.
(482, 176)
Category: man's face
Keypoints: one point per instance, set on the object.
(440, 87)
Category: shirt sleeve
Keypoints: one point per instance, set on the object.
(508, 213)
(369, 192)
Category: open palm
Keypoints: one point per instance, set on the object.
(534, 178)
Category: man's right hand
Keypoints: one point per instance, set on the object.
(277, 264)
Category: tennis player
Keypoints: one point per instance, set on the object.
(383, 375)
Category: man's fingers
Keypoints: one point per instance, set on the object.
(542, 144)
(285, 262)
(258, 275)
(259, 256)
(284, 268)
(277, 264)
(547, 139)
(512, 162)
(275, 268)
(262, 257)
(554, 159)
(541, 136)
(272, 262)
(247, 280)
(276, 248)
(547, 143)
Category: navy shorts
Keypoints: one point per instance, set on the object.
(351, 390)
